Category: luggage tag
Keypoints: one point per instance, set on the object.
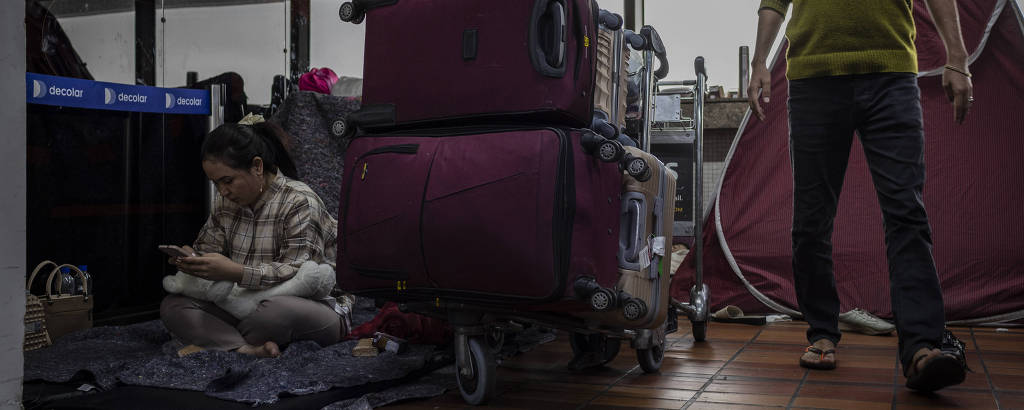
(657, 245)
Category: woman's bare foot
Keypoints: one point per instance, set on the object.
(268, 349)
(821, 355)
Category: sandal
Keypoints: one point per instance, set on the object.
(943, 370)
(821, 364)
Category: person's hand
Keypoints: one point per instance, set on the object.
(959, 91)
(176, 260)
(211, 266)
(760, 83)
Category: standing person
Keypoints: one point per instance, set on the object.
(263, 226)
(852, 67)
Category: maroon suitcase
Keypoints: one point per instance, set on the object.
(502, 217)
(452, 61)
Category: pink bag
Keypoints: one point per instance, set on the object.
(318, 80)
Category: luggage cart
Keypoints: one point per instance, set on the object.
(681, 139)
(481, 325)
(480, 330)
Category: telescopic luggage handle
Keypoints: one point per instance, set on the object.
(547, 37)
(655, 44)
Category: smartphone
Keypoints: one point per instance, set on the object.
(174, 251)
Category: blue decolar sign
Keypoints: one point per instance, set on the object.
(73, 92)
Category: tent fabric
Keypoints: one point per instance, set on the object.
(973, 193)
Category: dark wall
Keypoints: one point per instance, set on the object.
(104, 189)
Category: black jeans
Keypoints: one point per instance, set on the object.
(885, 111)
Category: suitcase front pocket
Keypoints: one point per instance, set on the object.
(381, 219)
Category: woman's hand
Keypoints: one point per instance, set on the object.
(176, 260)
(211, 266)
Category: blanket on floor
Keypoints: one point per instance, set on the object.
(144, 354)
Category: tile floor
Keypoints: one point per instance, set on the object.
(751, 367)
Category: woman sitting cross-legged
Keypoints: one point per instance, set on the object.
(263, 227)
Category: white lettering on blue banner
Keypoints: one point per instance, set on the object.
(73, 92)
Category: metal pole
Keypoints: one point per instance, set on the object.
(215, 120)
(647, 100)
(698, 172)
(744, 71)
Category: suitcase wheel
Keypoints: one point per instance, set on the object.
(347, 12)
(636, 167)
(634, 309)
(478, 385)
(610, 151)
(602, 300)
(700, 331)
(650, 359)
(359, 18)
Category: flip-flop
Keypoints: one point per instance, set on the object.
(821, 364)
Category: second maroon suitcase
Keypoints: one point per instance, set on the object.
(430, 62)
(507, 217)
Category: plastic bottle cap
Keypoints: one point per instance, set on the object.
(65, 270)
(83, 267)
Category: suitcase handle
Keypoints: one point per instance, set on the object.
(547, 38)
(610, 20)
(658, 47)
(631, 230)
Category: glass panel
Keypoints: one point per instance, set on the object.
(333, 43)
(82, 39)
(211, 39)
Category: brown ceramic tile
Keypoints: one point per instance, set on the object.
(857, 339)
(850, 374)
(750, 373)
(1007, 371)
(787, 335)
(706, 351)
(684, 382)
(1006, 382)
(754, 386)
(947, 398)
(668, 394)
(1004, 363)
(825, 403)
(672, 365)
(549, 387)
(739, 398)
(764, 370)
(999, 342)
(1011, 400)
(843, 391)
(638, 402)
(565, 397)
(782, 356)
(703, 405)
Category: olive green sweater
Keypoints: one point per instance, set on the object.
(840, 37)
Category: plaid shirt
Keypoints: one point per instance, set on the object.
(286, 227)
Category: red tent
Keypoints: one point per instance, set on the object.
(973, 194)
